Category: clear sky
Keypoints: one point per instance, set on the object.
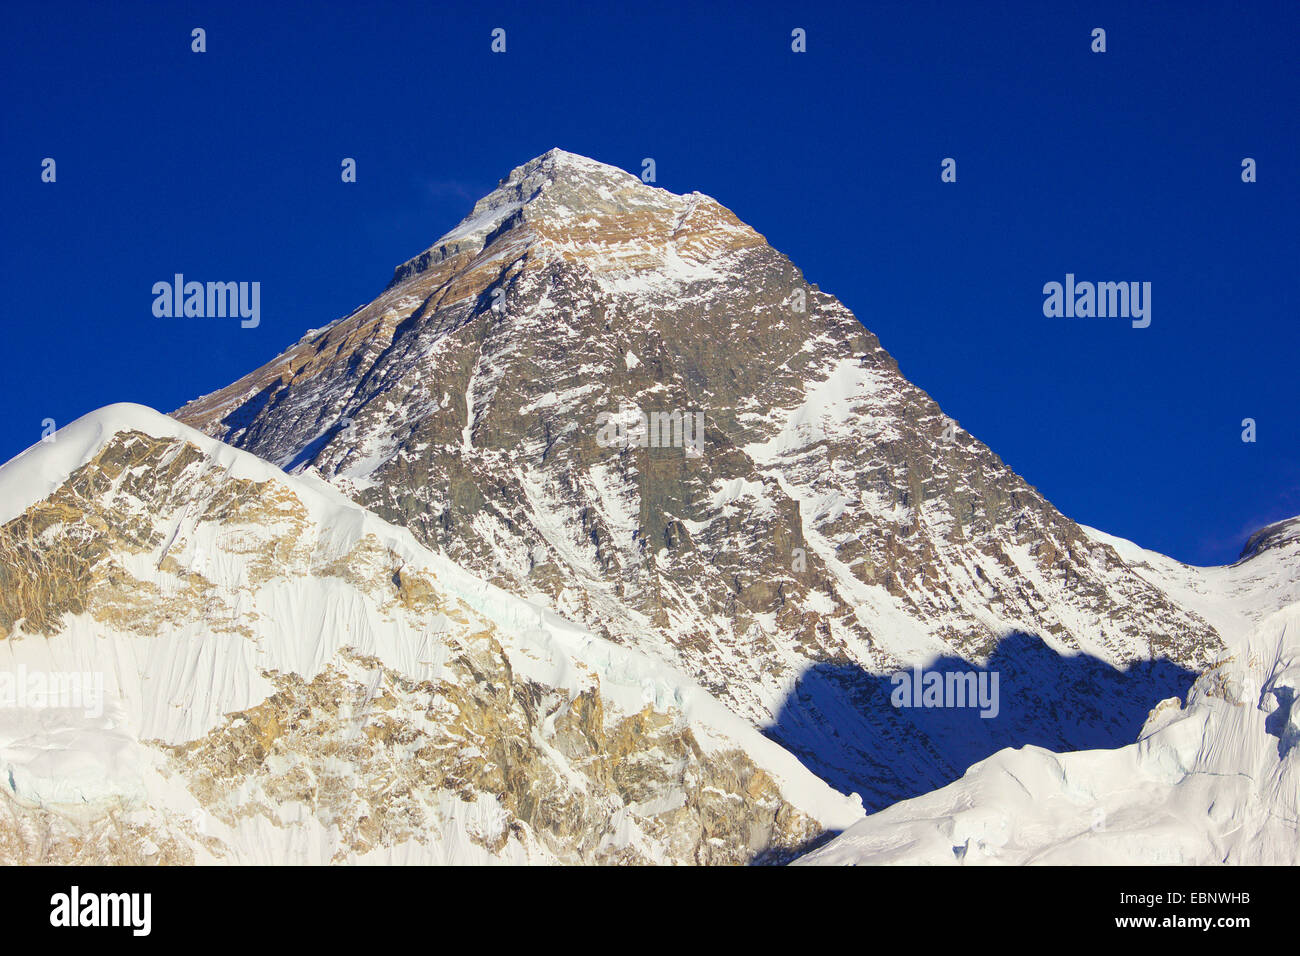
(1115, 166)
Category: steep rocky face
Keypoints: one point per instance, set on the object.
(282, 677)
(1280, 537)
(831, 524)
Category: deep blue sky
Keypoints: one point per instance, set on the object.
(1115, 166)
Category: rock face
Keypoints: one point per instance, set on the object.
(830, 525)
(263, 671)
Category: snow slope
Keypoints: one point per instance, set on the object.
(1234, 598)
(348, 602)
(1213, 780)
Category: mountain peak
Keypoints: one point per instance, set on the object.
(625, 404)
(558, 161)
(578, 208)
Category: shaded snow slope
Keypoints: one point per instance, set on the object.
(1213, 780)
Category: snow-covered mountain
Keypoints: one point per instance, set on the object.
(255, 669)
(835, 527)
(601, 536)
(1214, 779)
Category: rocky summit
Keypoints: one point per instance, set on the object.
(600, 535)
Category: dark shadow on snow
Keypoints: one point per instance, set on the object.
(314, 447)
(840, 722)
(1278, 723)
